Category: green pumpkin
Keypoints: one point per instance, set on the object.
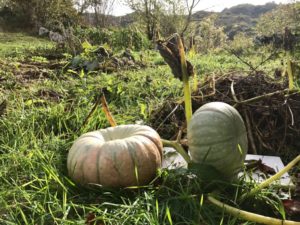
(120, 156)
(217, 137)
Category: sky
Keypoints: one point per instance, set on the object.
(208, 5)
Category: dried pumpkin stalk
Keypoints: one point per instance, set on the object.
(108, 114)
(172, 50)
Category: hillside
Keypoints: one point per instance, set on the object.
(240, 18)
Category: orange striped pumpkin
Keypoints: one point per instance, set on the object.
(121, 156)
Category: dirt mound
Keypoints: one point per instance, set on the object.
(271, 112)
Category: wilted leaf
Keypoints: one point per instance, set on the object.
(170, 51)
(258, 165)
(91, 219)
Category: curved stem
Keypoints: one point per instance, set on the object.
(273, 178)
(178, 148)
(250, 216)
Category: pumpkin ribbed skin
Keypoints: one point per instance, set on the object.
(120, 156)
(214, 133)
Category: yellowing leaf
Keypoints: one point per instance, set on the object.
(86, 45)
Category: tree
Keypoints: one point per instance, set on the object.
(281, 26)
(190, 6)
(81, 5)
(35, 13)
(165, 16)
(102, 9)
(208, 36)
(149, 12)
(275, 21)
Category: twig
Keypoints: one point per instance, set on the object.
(249, 216)
(179, 135)
(100, 100)
(292, 115)
(242, 60)
(91, 112)
(248, 124)
(264, 96)
(249, 64)
(233, 93)
(210, 94)
(267, 59)
(250, 133)
(168, 116)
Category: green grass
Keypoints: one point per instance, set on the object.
(37, 132)
(18, 44)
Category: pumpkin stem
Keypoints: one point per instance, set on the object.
(107, 112)
(248, 215)
(178, 148)
(185, 80)
(271, 179)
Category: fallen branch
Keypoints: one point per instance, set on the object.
(257, 98)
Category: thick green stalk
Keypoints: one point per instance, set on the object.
(250, 216)
(178, 148)
(187, 99)
(186, 84)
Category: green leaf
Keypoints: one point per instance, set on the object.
(143, 111)
(119, 89)
(72, 71)
(169, 215)
(240, 149)
(29, 102)
(86, 45)
(81, 74)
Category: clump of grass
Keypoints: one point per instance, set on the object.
(19, 44)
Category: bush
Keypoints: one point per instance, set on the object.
(116, 38)
(32, 14)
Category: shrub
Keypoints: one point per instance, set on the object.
(116, 38)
